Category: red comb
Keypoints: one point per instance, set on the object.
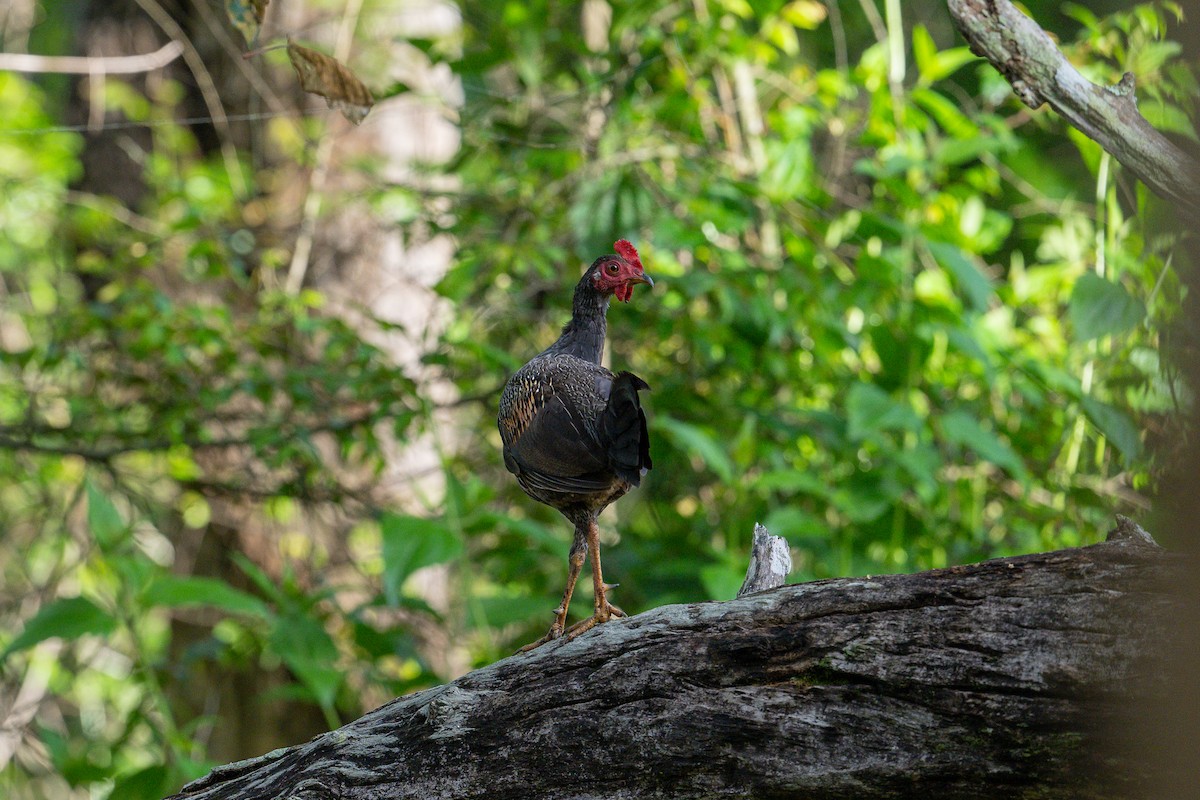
(628, 252)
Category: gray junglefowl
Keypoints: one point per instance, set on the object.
(574, 433)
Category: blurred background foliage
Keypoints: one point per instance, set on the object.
(899, 318)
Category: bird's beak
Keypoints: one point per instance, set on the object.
(624, 292)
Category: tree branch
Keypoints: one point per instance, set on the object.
(92, 65)
(991, 680)
(1039, 72)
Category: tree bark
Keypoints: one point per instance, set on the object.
(1015, 676)
(1039, 73)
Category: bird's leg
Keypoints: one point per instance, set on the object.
(579, 548)
(604, 610)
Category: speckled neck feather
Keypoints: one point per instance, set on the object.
(583, 336)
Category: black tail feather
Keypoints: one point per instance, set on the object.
(624, 428)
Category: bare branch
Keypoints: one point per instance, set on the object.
(1040, 73)
(208, 90)
(92, 65)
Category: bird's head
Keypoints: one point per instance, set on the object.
(618, 274)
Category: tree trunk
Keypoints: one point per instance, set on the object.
(1004, 678)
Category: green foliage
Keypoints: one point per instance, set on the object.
(149, 371)
(896, 318)
(68, 618)
(410, 543)
(1101, 308)
(882, 323)
(173, 591)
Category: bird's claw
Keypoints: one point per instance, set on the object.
(603, 614)
(555, 632)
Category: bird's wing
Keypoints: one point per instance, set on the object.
(552, 445)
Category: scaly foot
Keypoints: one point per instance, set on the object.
(603, 614)
(556, 630)
(554, 633)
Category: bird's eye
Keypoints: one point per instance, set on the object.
(613, 268)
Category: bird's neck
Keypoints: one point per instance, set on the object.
(583, 336)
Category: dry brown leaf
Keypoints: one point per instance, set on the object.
(247, 16)
(324, 75)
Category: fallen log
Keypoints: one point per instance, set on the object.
(1015, 676)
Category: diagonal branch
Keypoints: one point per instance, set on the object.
(1039, 73)
(208, 91)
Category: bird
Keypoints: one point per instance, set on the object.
(574, 433)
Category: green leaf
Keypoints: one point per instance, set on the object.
(68, 618)
(692, 439)
(172, 591)
(149, 783)
(1101, 308)
(410, 543)
(963, 429)
(535, 532)
(922, 463)
(721, 581)
(932, 64)
(73, 759)
(970, 278)
(794, 481)
(948, 114)
(867, 499)
(794, 523)
(1169, 118)
(923, 47)
(739, 7)
(263, 581)
(505, 609)
(952, 152)
(380, 642)
(310, 653)
(1116, 426)
(870, 409)
(103, 518)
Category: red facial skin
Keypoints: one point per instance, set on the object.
(618, 275)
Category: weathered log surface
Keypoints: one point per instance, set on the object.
(1005, 678)
(1039, 73)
